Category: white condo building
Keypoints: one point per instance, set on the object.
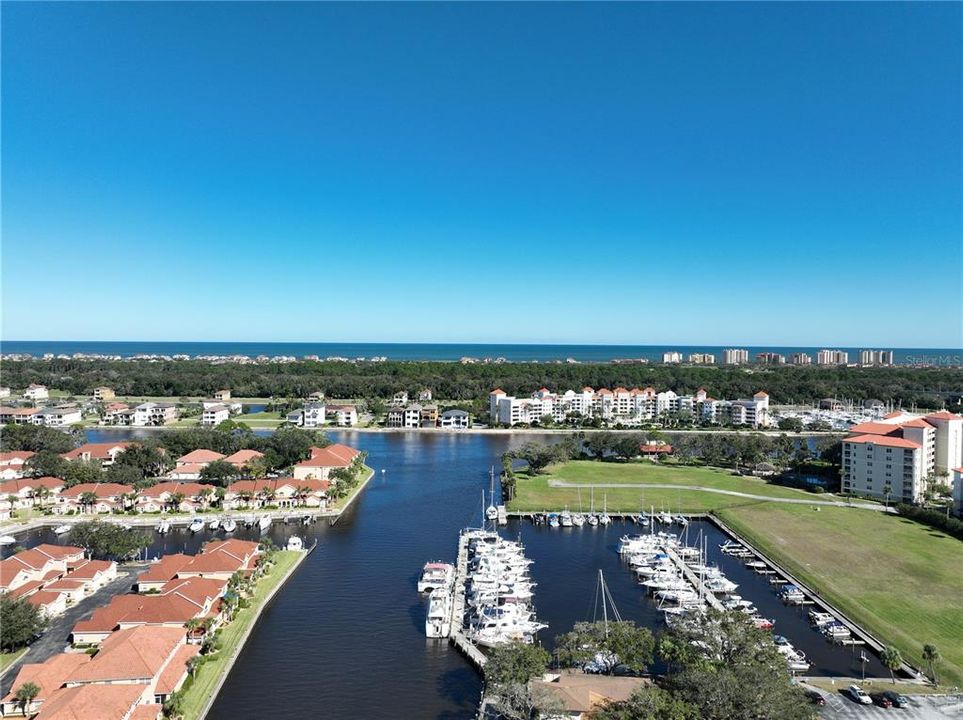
(625, 406)
(672, 358)
(800, 358)
(832, 357)
(702, 359)
(735, 356)
(875, 357)
(900, 453)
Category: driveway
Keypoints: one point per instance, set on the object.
(57, 635)
(922, 707)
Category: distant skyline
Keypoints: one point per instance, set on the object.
(637, 173)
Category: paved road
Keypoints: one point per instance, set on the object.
(922, 707)
(734, 493)
(57, 635)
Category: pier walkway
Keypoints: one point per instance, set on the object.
(694, 579)
(457, 635)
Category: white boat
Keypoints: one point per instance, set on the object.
(264, 522)
(593, 520)
(565, 518)
(213, 524)
(164, 526)
(7, 539)
(436, 575)
(438, 620)
(197, 524)
(604, 518)
(61, 529)
(578, 519)
(229, 525)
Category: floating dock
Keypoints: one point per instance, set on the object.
(457, 635)
(689, 575)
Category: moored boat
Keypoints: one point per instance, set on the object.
(229, 524)
(62, 529)
(197, 524)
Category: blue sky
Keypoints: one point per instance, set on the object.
(784, 174)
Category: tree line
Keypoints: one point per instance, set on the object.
(922, 387)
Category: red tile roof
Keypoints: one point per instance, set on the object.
(9, 458)
(92, 702)
(165, 569)
(188, 489)
(242, 457)
(138, 653)
(884, 440)
(200, 456)
(874, 428)
(48, 675)
(335, 455)
(176, 669)
(13, 487)
(98, 451)
(944, 415)
(101, 490)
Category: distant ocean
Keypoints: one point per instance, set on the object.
(444, 351)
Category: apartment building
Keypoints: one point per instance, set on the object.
(800, 358)
(59, 416)
(875, 357)
(151, 413)
(832, 357)
(735, 356)
(770, 358)
(36, 392)
(897, 455)
(672, 358)
(214, 415)
(702, 358)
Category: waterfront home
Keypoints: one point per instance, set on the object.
(102, 394)
(424, 395)
(455, 420)
(49, 676)
(408, 416)
(109, 497)
(313, 415)
(215, 414)
(580, 694)
(174, 496)
(106, 453)
(342, 415)
(219, 560)
(152, 414)
(59, 416)
(19, 416)
(100, 702)
(176, 602)
(399, 399)
(12, 464)
(117, 413)
(323, 461)
(222, 395)
(36, 392)
(39, 564)
(280, 492)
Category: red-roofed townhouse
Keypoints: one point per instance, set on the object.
(110, 497)
(20, 416)
(41, 563)
(106, 453)
(49, 676)
(100, 702)
(280, 492)
(12, 463)
(30, 492)
(189, 466)
(323, 461)
(242, 457)
(175, 496)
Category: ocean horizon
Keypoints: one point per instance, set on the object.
(513, 352)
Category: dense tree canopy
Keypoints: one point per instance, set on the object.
(925, 387)
(109, 541)
(21, 622)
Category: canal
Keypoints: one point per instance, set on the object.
(345, 637)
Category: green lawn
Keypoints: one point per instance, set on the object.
(534, 494)
(260, 419)
(901, 580)
(366, 474)
(9, 658)
(198, 690)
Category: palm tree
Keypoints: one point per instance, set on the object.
(87, 499)
(192, 625)
(175, 500)
(891, 660)
(43, 493)
(931, 656)
(25, 695)
(129, 499)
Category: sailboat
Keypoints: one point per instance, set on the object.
(578, 519)
(604, 517)
(603, 662)
(492, 511)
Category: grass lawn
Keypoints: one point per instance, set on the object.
(366, 474)
(901, 580)
(203, 684)
(9, 658)
(533, 494)
(877, 686)
(260, 419)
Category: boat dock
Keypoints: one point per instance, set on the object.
(694, 580)
(502, 515)
(457, 636)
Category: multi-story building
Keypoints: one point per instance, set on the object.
(702, 358)
(735, 356)
(832, 357)
(342, 415)
(899, 455)
(36, 392)
(770, 358)
(59, 416)
(625, 406)
(103, 393)
(875, 357)
(800, 358)
(151, 413)
(455, 420)
(672, 358)
(408, 416)
(214, 415)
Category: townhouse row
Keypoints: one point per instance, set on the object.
(416, 415)
(628, 407)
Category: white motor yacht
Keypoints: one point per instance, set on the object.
(229, 525)
(164, 526)
(197, 524)
(436, 575)
(565, 517)
(438, 620)
(62, 529)
(264, 522)
(7, 539)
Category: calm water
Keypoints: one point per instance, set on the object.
(346, 632)
(439, 351)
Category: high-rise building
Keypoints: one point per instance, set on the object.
(732, 356)
(832, 357)
(875, 357)
(672, 358)
(770, 358)
(801, 358)
(702, 359)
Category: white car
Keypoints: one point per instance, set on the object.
(857, 694)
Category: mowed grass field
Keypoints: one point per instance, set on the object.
(534, 494)
(901, 580)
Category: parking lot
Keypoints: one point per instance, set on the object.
(922, 707)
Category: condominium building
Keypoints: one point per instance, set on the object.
(832, 357)
(214, 415)
(625, 406)
(150, 413)
(800, 358)
(672, 358)
(875, 357)
(897, 455)
(702, 359)
(770, 358)
(735, 356)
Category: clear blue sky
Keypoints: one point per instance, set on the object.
(624, 173)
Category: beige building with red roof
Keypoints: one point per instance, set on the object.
(20, 416)
(280, 492)
(110, 497)
(37, 564)
(161, 497)
(106, 453)
(243, 457)
(30, 492)
(324, 460)
(49, 676)
(12, 463)
(189, 466)
(218, 560)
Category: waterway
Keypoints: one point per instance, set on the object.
(345, 637)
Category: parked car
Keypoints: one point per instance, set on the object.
(896, 699)
(858, 695)
(881, 700)
(815, 697)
